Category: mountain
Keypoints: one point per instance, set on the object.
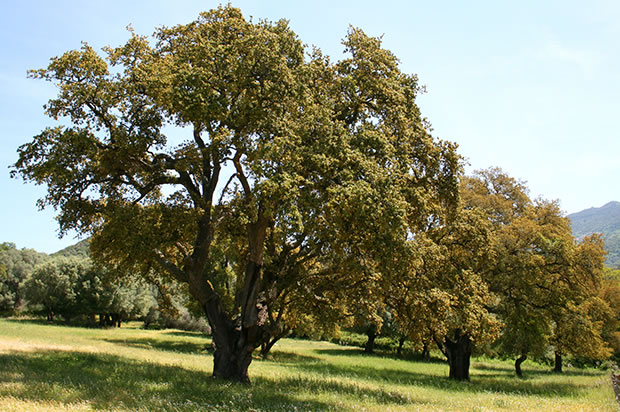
(604, 220)
(79, 249)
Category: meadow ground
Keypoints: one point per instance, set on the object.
(46, 367)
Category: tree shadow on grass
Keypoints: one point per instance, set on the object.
(355, 351)
(284, 357)
(187, 334)
(176, 346)
(508, 370)
(498, 382)
(109, 382)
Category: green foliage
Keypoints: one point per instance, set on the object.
(15, 266)
(74, 286)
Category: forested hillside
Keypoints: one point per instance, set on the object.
(605, 220)
(79, 249)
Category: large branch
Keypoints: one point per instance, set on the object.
(170, 267)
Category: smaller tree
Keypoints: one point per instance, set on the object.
(52, 285)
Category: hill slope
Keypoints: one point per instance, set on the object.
(605, 220)
(79, 249)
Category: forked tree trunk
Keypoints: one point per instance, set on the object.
(518, 363)
(458, 351)
(234, 338)
(557, 366)
(234, 341)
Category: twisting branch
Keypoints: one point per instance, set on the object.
(226, 188)
(240, 175)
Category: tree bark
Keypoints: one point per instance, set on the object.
(401, 343)
(271, 340)
(518, 363)
(557, 367)
(234, 341)
(426, 353)
(458, 351)
(369, 347)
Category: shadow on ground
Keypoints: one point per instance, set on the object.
(110, 382)
(501, 379)
(163, 345)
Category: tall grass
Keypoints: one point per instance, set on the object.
(44, 367)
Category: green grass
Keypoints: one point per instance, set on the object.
(45, 367)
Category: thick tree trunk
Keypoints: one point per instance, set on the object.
(557, 367)
(235, 341)
(459, 354)
(518, 363)
(231, 358)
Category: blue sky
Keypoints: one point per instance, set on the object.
(529, 86)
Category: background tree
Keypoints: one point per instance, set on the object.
(276, 141)
(580, 323)
(610, 293)
(74, 286)
(450, 303)
(18, 265)
(542, 278)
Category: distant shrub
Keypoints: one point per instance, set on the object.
(184, 321)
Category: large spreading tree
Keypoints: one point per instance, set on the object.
(221, 148)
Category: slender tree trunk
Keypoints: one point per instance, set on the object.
(518, 363)
(557, 367)
(369, 347)
(459, 354)
(266, 346)
(426, 353)
(401, 343)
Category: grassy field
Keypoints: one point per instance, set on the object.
(44, 367)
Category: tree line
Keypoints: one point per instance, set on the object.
(284, 190)
(69, 287)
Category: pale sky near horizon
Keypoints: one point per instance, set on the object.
(529, 86)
